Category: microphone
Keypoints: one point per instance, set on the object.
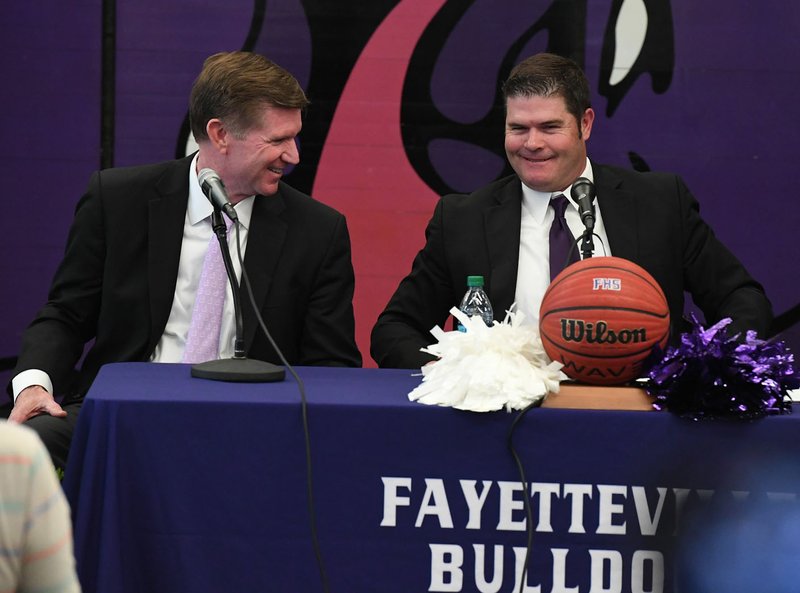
(583, 193)
(214, 190)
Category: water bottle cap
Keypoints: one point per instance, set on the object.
(474, 281)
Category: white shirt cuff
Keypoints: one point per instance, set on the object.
(29, 378)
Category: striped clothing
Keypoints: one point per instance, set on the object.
(35, 529)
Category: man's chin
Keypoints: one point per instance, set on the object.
(535, 177)
(538, 184)
(269, 190)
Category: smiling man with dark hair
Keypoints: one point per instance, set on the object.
(501, 231)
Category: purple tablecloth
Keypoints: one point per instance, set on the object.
(182, 484)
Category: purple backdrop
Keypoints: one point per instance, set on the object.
(51, 143)
(723, 121)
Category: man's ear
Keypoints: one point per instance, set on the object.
(217, 134)
(586, 123)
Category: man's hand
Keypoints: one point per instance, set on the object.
(34, 401)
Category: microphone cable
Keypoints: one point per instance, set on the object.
(304, 412)
(526, 497)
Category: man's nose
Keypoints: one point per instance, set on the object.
(533, 140)
(291, 155)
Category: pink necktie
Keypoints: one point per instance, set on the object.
(202, 342)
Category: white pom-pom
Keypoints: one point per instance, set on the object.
(488, 368)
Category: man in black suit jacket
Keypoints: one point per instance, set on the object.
(131, 267)
(649, 218)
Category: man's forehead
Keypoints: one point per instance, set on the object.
(554, 100)
(538, 108)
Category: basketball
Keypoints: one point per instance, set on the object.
(601, 318)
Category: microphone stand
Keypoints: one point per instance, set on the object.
(587, 244)
(239, 368)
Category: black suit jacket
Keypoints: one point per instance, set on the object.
(116, 282)
(650, 218)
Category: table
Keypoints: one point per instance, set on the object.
(182, 484)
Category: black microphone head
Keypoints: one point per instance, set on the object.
(206, 176)
(582, 187)
(214, 190)
(582, 193)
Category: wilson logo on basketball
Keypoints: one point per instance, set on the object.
(577, 330)
(607, 284)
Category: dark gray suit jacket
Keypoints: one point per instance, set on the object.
(650, 218)
(116, 282)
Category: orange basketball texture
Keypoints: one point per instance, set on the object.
(601, 318)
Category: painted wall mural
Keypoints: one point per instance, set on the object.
(406, 107)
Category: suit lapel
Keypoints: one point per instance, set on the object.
(502, 238)
(265, 240)
(620, 215)
(166, 215)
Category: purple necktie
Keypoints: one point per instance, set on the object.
(561, 238)
(202, 342)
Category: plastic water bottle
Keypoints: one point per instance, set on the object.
(476, 302)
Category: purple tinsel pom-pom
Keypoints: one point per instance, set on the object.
(714, 375)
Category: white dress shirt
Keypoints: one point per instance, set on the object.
(197, 234)
(533, 272)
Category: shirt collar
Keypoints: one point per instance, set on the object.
(199, 208)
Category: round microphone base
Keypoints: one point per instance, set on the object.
(239, 370)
